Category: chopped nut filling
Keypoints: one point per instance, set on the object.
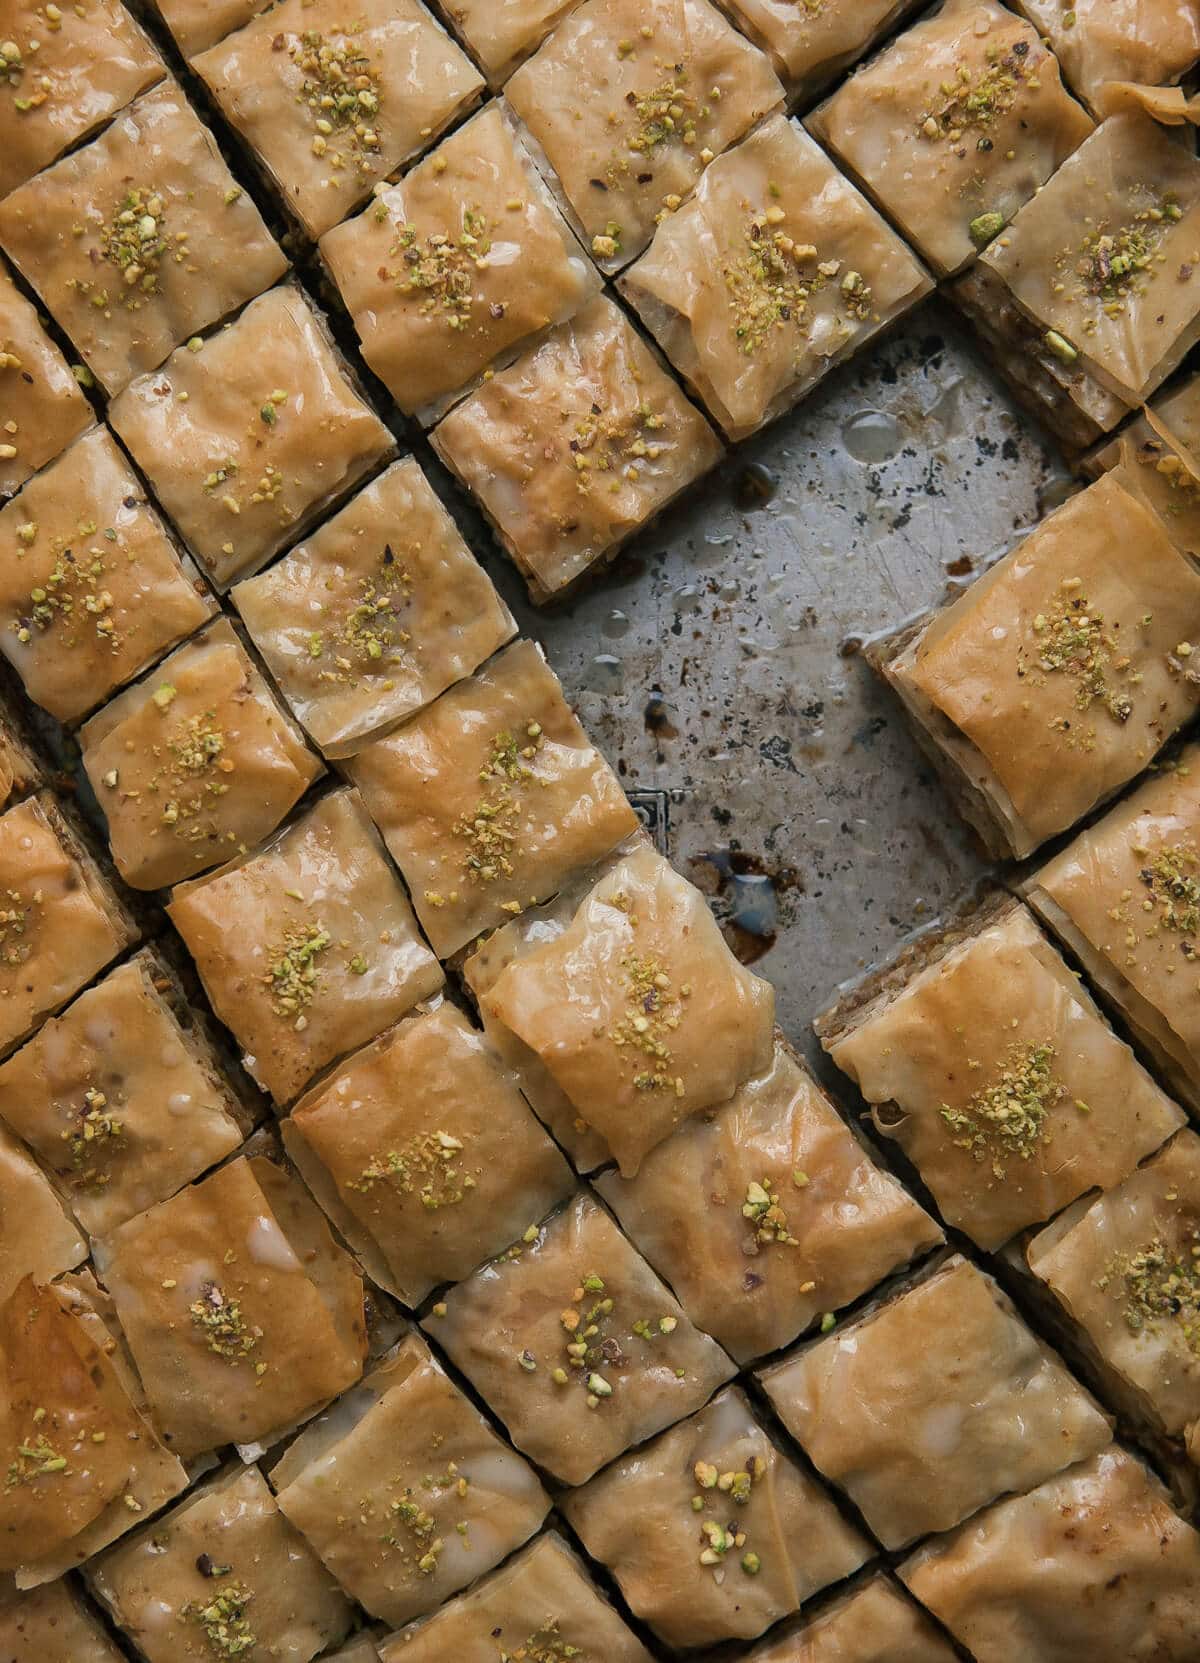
(976, 101)
(225, 1330)
(223, 1618)
(95, 1136)
(341, 89)
(720, 1539)
(36, 1458)
(1159, 1285)
(1072, 640)
(653, 1013)
(294, 973)
(429, 1166)
(1007, 1119)
(442, 273)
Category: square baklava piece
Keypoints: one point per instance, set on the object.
(127, 239)
(65, 70)
(978, 1406)
(1056, 677)
(874, 1623)
(774, 272)
(38, 1236)
(83, 1462)
(61, 921)
(711, 1531)
(123, 1097)
(44, 406)
(1095, 1564)
(1125, 899)
(767, 1212)
(195, 762)
(983, 1056)
(575, 447)
(242, 1314)
(1152, 43)
(405, 1491)
(502, 37)
(491, 798)
(331, 101)
(222, 1575)
(425, 1154)
(307, 948)
(812, 41)
(452, 270)
(92, 588)
(954, 127)
(629, 106)
(248, 437)
(52, 1624)
(542, 1599)
(375, 614)
(1157, 459)
(571, 1339)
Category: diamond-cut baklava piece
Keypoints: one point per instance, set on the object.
(872, 1624)
(128, 240)
(1059, 674)
(977, 1406)
(775, 271)
(1094, 1565)
(448, 272)
(307, 948)
(249, 436)
(711, 1531)
(122, 1097)
(1125, 898)
(405, 1491)
(492, 797)
(242, 1315)
(983, 1056)
(954, 127)
(64, 71)
(813, 41)
(375, 614)
(52, 1624)
(43, 404)
(576, 1345)
(1157, 459)
(61, 922)
(542, 1602)
(195, 762)
(1150, 42)
(576, 446)
(630, 105)
(638, 1008)
(332, 99)
(768, 1211)
(425, 1154)
(91, 586)
(38, 1236)
(82, 1463)
(222, 1575)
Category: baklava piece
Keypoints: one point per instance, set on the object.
(128, 240)
(575, 447)
(1125, 1271)
(1150, 42)
(82, 1462)
(571, 1339)
(813, 41)
(638, 1008)
(195, 762)
(448, 273)
(711, 1531)
(1095, 1564)
(92, 588)
(61, 922)
(222, 1575)
(954, 127)
(425, 1154)
(977, 1406)
(873, 1624)
(775, 271)
(197, 24)
(502, 36)
(406, 1493)
(375, 614)
(44, 406)
(307, 948)
(542, 1603)
(1057, 676)
(767, 1212)
(630, 105)
(121, 1100)
(491, 798)
(64, 71)
(38, 1236)
(986, 1060)
(242, 1315)
(330, 100)
(250, 436)
(1157, 459)
(1125, 899)
(52, 1624)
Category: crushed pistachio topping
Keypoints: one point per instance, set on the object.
(294, 974)
(429, 1166)
(1073, 640)
(342, 92)
(192, 772)
(1173, 888)
(592, 1346)
(715, 1488)
(1113, 265)
(767, 1219)
(1006, 1120)
(219, 1319)
(440, 271)
(223, 1618)
(491, 831)
(95, 1135)
(974, 101)
(73, 598)
(15, 921)
(136, 241)
(36, 1458)
(413, 1530)
(607, 449)
(544, 1645)
(653, 1012)
(667, 113)
(774, 277)
(1182, 484)
(1159, 1285)
(368, 635)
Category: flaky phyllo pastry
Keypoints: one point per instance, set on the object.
(812, 41)
(1096, 41)
(52, 1624)
(873, 1623)
(1157, 459)
(45, 404)
(38, 1236)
